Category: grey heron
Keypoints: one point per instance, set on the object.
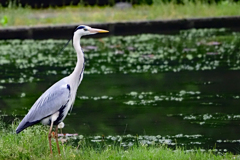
(53, 105)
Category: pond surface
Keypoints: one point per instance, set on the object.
(182, 90)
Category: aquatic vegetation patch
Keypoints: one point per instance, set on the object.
(193, 50)
(215, 119)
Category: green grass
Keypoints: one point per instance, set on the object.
(32, 143)
(18, 16)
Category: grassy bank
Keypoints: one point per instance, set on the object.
(17, 16)
(33, 144)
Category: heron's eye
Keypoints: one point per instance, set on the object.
(85, 29)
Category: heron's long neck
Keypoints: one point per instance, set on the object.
(78, 71)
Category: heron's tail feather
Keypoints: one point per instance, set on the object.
(23, 125)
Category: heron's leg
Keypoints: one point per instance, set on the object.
(50, 136)
(56, 137)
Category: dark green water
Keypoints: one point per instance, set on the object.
(182, 90)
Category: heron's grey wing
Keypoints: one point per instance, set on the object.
(49, 103)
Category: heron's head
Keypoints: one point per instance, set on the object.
(83, 30)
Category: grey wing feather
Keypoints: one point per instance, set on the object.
(49, 103)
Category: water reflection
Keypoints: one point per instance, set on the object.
(178, 90)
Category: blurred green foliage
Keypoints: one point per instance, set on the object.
(4, 21)
(194, 1)
(46, 4)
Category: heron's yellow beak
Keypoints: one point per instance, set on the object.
(94, 30)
